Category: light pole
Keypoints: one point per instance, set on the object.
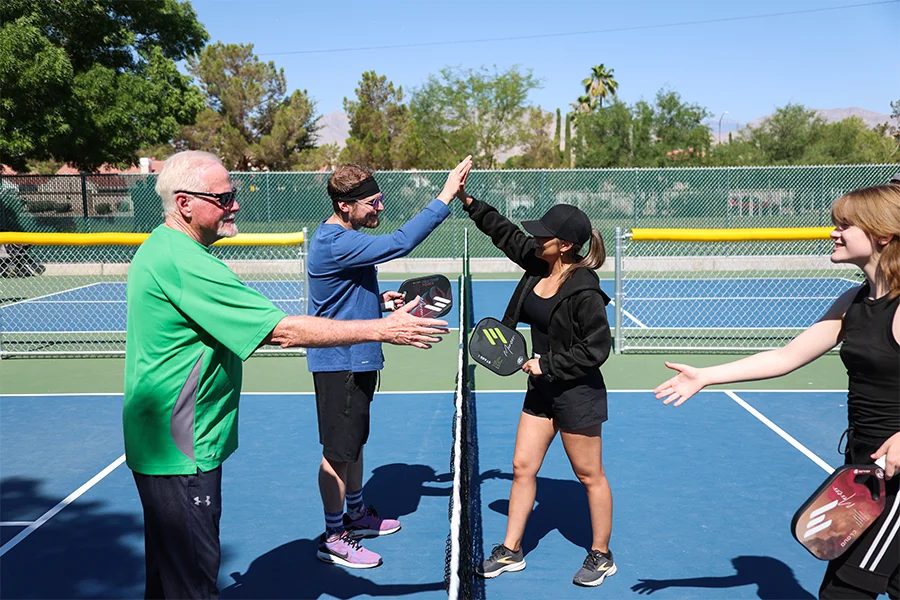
(720, 126)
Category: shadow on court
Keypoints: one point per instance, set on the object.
(291, 571)
(396, 489)
(559, 505)
(774, 580)
(80, 553)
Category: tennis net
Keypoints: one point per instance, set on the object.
(463, 548)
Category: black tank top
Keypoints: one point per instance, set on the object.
(537, 311)
(872, 357)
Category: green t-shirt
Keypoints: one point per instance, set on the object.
(191, 322)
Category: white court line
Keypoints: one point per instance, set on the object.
(80, 287)
(67, 501)
(515, 391)
(629, 315)
(15, 523)
(781, 432)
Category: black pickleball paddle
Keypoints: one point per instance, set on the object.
(435, 292)
(497, 347)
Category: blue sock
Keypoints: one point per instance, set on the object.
(354, 503)
(334, 525)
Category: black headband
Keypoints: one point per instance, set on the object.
(367, 187)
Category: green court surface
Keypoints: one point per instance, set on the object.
(406, 369)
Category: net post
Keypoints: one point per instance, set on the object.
(617, 347)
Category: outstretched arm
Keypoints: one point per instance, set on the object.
(815, 341)
(400, 328)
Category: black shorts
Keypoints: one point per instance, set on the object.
(342, 405)
(181, 533)
(573, 405)
(872, 564)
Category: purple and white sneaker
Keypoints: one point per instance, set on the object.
(347, 552)
(369, 524)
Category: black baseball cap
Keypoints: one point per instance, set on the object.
(563, 221)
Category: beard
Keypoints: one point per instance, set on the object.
(367, 222)
(227, 229)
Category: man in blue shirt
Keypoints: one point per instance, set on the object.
(343, 285)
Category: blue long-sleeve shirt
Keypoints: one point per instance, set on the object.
(343, 282)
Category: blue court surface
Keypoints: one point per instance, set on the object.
(658, 303)
(703, 496)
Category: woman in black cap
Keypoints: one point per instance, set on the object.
(560, 297)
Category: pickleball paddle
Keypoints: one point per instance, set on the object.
(840, 510)
(435, 292)
(498, 347)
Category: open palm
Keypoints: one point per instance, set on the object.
(681, 387)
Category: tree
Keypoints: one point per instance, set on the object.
(468, 111)
(600, 84)
(678, 129)
(604, 138)
(92, 81)
(382, 133)
(536, 143)
(785, 136)
(849, 141)
(668, 132)
(249, 119)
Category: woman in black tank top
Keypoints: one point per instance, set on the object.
(560, 297)
(866, 321)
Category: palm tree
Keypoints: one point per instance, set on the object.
(585, 104)
(600, 84)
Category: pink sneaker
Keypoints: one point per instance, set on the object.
(369, 524)
(347, 552)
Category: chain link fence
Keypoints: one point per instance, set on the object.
(74, 303)
(722, 296)
(627, 198)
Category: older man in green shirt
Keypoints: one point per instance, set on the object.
(191, 323)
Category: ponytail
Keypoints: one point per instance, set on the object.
(595, 258)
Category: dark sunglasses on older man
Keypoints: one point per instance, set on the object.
(225, 200)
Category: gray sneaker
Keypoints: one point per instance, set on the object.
(502, 560)
(595, 569)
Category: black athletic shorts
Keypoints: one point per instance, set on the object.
(181, 533)
(342, 405)
(872, 564)
(573, 405)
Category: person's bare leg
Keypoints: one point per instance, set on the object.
(585, 451)
(533, 437)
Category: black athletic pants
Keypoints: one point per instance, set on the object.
(181, 533)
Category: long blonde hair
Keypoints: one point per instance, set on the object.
(876, 210)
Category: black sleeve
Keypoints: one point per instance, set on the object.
(594, 340)
(505, 236)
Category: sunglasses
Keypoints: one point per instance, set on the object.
(225, 200)
(373, 203)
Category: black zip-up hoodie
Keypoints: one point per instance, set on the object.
(579, 334)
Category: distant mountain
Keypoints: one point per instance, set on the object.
(869, 117)
(334, 129)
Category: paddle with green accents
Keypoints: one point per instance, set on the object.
(497, 347)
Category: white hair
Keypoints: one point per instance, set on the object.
(183, 171)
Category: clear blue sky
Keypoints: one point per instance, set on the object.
(829, 59)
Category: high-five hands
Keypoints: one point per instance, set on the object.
(455, 180)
